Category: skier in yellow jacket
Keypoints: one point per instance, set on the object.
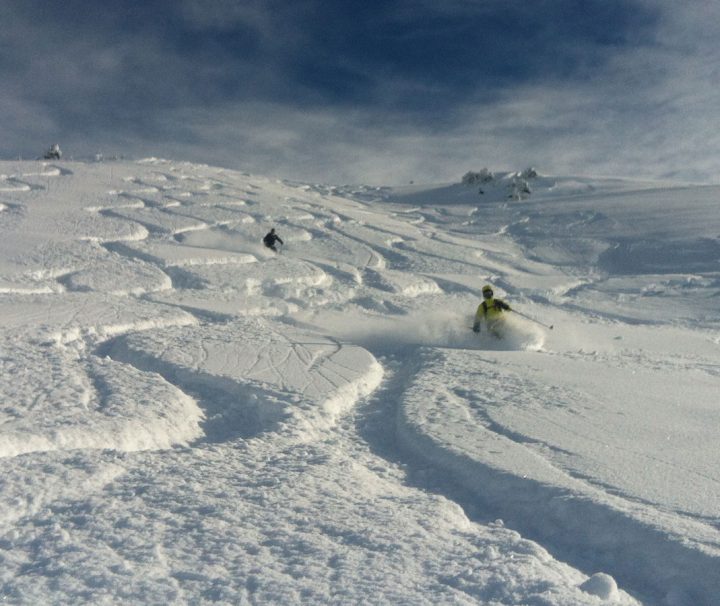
(491, 310)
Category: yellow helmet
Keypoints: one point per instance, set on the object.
(487, 288)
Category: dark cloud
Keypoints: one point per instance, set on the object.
(264, 77)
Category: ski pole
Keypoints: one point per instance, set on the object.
(548, 326)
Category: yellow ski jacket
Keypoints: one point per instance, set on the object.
(490, 309)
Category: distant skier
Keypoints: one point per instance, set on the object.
(270, 238)
(491, 311)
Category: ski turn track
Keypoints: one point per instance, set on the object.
(437, 426)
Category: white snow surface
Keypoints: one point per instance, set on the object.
(190, 418)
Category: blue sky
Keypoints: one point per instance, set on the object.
(378, 92)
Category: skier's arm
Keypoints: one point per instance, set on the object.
(279, 239)
(502, 305)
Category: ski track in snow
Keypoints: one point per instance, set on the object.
(188, 417)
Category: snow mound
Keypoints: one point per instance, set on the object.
(286, 376)
(56, 403)
(601, 585)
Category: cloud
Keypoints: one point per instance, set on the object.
(374, 91)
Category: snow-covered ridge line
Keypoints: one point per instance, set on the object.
(108, 331)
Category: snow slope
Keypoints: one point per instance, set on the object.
(189, 418)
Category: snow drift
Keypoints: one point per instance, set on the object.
(187, 416)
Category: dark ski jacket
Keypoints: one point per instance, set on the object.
(270, 239)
